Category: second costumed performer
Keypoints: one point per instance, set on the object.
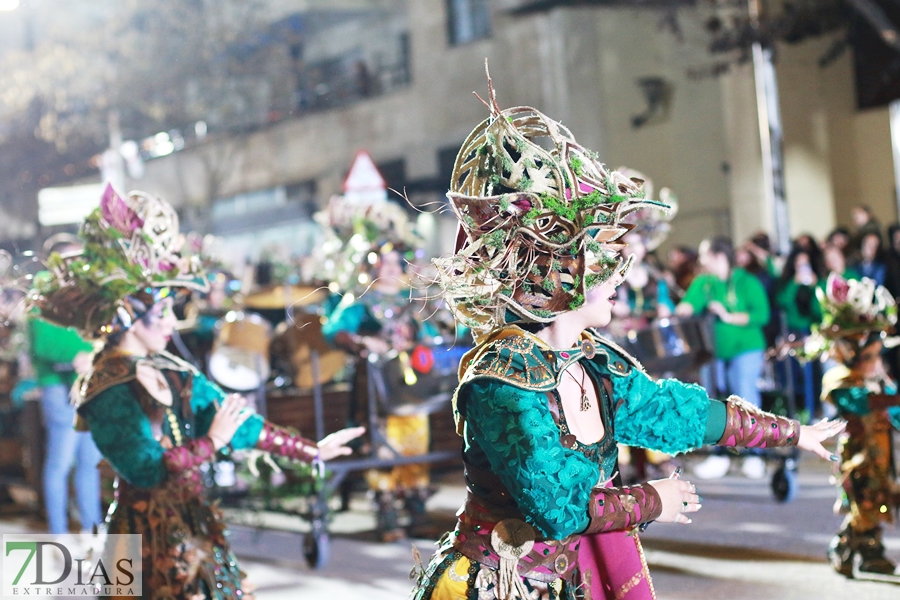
(154, 417)
(376, 319)
(858, 316)
(543, 400)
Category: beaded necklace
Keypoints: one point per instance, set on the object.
(177, 436)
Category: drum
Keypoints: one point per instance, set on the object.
(282, 296)
(292, 348)
(418, 382)
(671, 346)
(240, 354)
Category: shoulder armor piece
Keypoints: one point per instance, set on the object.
(109, 370)
(513, 356)
(618, 360)
(113, 368)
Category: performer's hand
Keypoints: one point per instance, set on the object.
(678, 497)
(812, 436)
(375, 345)
(229, 417)
(335, 445)
(718, 309)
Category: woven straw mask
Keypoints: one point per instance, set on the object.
(541, 221)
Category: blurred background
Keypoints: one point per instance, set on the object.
(775, 121)
(247, 114)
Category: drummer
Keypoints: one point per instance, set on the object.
(381, 320)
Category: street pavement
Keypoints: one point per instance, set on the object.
(743, 545)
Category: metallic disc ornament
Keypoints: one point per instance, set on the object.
(588, 349)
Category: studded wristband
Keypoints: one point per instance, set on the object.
(282, 441)
(746, 426)
(615, 509)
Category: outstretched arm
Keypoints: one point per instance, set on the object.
(672, 416)
(227, 421)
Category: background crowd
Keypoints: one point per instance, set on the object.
(790, 283)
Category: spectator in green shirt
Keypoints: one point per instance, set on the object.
(738, 301)
(58, 355)
(796, 292)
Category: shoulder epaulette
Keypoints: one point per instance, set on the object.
(109, 370)
(114, 368)
(513, 356)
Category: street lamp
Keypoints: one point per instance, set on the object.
(9, 4)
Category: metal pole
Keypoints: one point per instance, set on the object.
(317, 396)
(894, 111)
(771, 136)
(261, 390)
(113, 163)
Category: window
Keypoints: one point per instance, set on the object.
(446, 159)
(467, 21)
(394, 174)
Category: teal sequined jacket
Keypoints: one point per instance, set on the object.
(516, 441)
(129, 425)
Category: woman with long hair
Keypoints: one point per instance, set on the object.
(796, 298)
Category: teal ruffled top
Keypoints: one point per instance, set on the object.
(510, 431)
(122, 431)
(855, 401)
(369, 314)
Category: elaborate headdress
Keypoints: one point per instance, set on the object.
(652, 225)
(541, 221)
(356, 233)
(852, 311)
(131, 256)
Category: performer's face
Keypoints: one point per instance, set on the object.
(868, 362)
(154, 329)
(600, 300)
(390, 268)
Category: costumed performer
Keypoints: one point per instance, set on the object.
(379, 318)
(858, 315)
(542, 399)
(154, 417)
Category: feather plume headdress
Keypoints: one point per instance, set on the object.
(852, 311)
(130, 256)
(541, 221)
